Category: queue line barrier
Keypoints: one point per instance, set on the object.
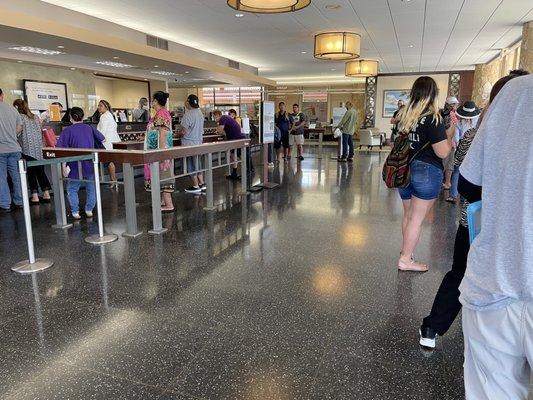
(33, 264)
(208, 157)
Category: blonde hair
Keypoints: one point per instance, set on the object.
(423, 102)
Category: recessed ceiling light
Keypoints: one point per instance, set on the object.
(239, 15)
(333, 69)
(36, 50)
(304, 52)
(19, 61)
(411, 46)
(186, 72)
(333, 6)
(114, 64)
(116, 58)
(72, 68)
(156, 66)
(60, 47)
(145, 79)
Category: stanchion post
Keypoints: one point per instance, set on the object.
(209, 182)
(244, 168)
(31, 265)
(320, 143)
(129, 201)
(156, 201)
(59, 198)
(101, 238)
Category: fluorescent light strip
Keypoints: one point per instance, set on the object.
(114, 64)
(36, 50)
(164, 73)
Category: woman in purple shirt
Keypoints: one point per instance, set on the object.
(232, 130)
(80, 136)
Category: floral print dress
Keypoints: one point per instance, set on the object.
(162, 119)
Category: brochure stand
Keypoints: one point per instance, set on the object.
(266, 137)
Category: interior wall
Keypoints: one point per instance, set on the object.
(104, 89)
(403, 82)
(80, 84)
(486, 75)
(179, 95)
(121, 93)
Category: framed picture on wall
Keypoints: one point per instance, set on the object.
(391, 99)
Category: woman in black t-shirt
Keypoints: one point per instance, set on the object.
(430, 144)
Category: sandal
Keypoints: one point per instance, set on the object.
(412, 265)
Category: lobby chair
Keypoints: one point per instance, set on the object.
(370, 137)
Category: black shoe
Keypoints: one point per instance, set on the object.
(350, 160)
(233, 177)
(17, 207)
(5, 210)
(341, 159)
(194, 189)
(428, 337)
(301, 158)
(203, 187)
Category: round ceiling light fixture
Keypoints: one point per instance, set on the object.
(337, 46)
(362, 68)
(268, 6)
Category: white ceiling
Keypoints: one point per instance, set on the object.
(406, 36)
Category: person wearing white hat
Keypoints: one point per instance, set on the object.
(468, 117)
(450, 121)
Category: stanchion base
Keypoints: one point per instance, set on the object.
(40, 264)
(256, 188)
(132, 235)
(96, 239)
(270, 185)
(158, 232)
(66, 226)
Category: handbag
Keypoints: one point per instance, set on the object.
(396, 170)
(337, 133)
(49, 137)
(97, 142)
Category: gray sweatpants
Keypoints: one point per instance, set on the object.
(498, 352)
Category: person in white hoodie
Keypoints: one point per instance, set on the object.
(108, 127)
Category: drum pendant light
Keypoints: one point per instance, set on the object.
(268, 6)
(337, 46)
(362, 68)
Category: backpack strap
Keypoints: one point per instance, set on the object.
(418, 152)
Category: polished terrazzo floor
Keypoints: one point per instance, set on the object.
(292, 295)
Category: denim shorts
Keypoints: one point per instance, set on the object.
(426, 182)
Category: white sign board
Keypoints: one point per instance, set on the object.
(338, 113)
(40, 95)
(268, 112)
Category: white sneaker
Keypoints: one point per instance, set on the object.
(428, 337)
(76, 215)
(89, 214)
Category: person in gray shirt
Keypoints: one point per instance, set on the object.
(497, 290)
(192, 134)
(10, 153)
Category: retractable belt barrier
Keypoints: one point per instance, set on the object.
(39, 264)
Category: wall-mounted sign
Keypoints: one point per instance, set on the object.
(40, 95)
(267, 129)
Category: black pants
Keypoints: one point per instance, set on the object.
(446, 305)
(37, 177)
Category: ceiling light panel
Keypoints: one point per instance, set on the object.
(36, 50)
(164, 73)
(114, 64)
